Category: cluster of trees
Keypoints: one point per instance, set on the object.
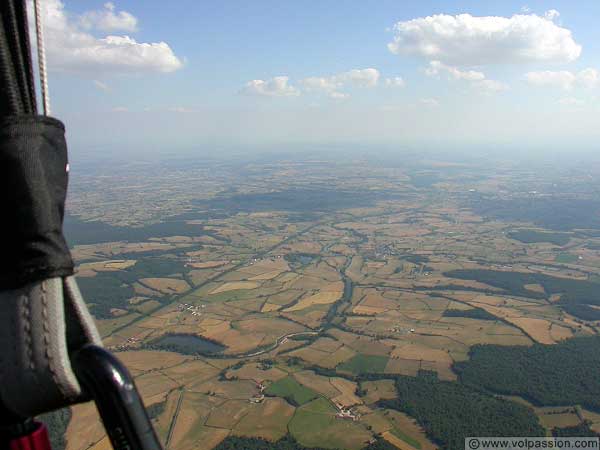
(449, 411)
(105, 292)
(561, 374)
(286, 443)
(549, 212)
(576, 295)
(80, 232)
(109, 290)
(533, 236)
(474, 313)
(581, 430)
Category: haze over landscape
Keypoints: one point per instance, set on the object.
(336, 225)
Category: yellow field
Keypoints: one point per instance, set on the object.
(347, 388)
(322, 298)
(379, 390)
(234, 286)
(267, 420)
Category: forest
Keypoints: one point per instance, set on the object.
(575, 294)
(474, 313)
(534, 236)
(286, 443)
(546, 375)
(449, 411)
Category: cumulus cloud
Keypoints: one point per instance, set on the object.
(564, 79)
(107, 20)
(180, 109)
(571, 101)
(491, 86)
(552, 14)
(327, 85)
(363, 78)
(466, 40)
(395, 82)
(475, 78)
(275, 87)
(70, 47)
(429, 102)
(101, 85)
(338, 95)
(435, 67)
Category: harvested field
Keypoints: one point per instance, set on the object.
(234, 286)
(267, 420)
(322, 298)
(347, 388)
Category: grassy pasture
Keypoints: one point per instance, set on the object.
(362, 363)
(291, 390)
(315, 425)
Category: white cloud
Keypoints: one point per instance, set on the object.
(275, 87)
(395, 82)
(338, 95)
(429, 102)
(435, 67)
(468, 40)
(330, 85)
(180, 109)
(589, 78)
(564, 79)
(70, 47)
(120, 109)
(475, 78)
(552, 14)
(571, 101)
(109, 21)
(363, 78)
(491, 86)
(101, 85)
(325, 84)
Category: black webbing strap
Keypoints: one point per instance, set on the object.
(33, 178)
(17, 95)
(43, 318)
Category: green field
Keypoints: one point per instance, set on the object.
(315, 425)
(566, 258)
(292, 391)
(399, 434)
(364, 364)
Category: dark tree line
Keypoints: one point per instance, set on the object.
(286, 443)
(475, 313)
(576, 295)
(449, 411)
(566, 373)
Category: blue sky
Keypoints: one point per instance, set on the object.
(149, 74)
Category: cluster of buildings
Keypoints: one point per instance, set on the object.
(194, 310)
(346, 413)
(259, 396)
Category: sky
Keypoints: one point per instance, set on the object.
(153, 75)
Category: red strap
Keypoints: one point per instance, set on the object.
(37, 440)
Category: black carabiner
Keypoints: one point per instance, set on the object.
(109, 383)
